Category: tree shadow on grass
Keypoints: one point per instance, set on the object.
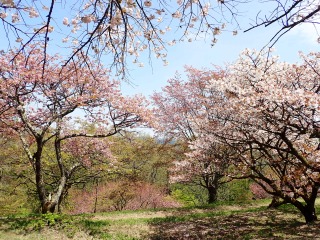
(269, 224)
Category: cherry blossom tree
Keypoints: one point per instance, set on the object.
(119, 29)
(271, 119)
(124, 29)
(46, 110)
(177, 110)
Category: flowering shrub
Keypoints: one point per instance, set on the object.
(119, 196)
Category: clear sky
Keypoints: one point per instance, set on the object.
(200, 54)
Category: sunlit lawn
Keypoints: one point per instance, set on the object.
(220, 221)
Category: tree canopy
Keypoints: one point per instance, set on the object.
(45, 108)
(270, 116)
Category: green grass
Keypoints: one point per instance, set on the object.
(251, 220)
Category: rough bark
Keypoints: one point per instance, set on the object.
(276, 202)
(212, 185)
(48, 206)
(307, 210)
(212, 194)
(309, 214)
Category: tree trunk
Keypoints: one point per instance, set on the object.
(39, 174)
(53, 200)
(48, 206)
(96, 197)
(60, 201)
(308, 210)
(212, 194)
(309, 214)
(212, 185)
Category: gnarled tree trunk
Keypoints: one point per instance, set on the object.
(48, 206)
(53, 200)
(308, 210)
(309, 214)
(211, 183)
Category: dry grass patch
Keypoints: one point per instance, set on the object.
(133, 215)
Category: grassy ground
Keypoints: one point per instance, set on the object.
(228, 221)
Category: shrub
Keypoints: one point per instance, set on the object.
(236, 190)
(189, 195)
(121, 195)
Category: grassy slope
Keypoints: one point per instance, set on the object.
(233, 221)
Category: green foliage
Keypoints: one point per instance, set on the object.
(142, 158)
(14, 203)
(237, 190)
(189, 195)
(66, 223)
(33, 222)
(289, 208)
(95, 228)
(194, 195)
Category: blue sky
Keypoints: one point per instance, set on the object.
(200, 54)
